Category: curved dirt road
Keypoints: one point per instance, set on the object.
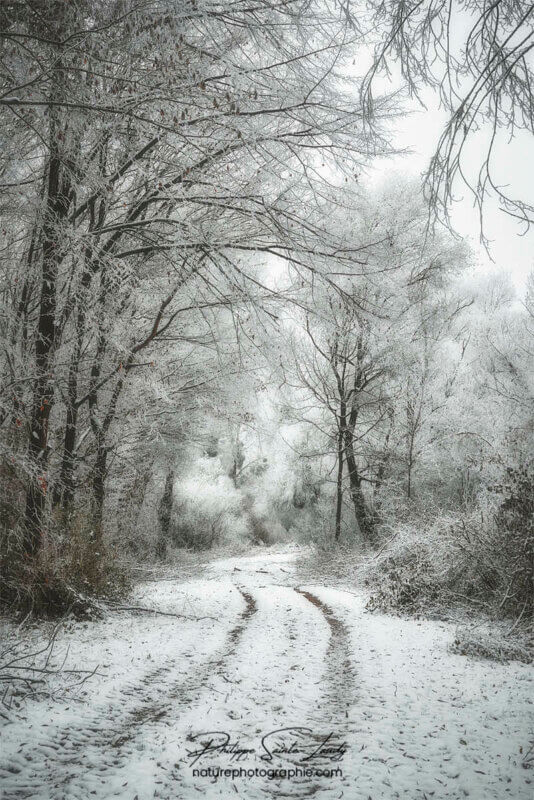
(290, 690)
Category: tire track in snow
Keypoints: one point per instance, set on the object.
(183, 688)
(274, 681)
(267, 669)
(104, 746)
(340, 678)
(338, 695)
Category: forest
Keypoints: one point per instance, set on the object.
(266, 408)
(216, 330)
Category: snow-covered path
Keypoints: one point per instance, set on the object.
(288, 689)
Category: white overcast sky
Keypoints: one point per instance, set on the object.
(509, 251)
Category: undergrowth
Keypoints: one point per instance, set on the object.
(71, 572)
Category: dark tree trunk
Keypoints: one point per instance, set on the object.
(64, 489)
(99, 482)
(364, 523)
(342, 421)
(57, 204)
(410, 445)
(165, 516)
(339, 486)
(381, 471)
(238, 459)
(131, 501)
(363, 519)
(65, 494)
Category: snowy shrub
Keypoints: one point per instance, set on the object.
(208, 510)
(195, 528)
(314, 525)
(12, 493)
(71, 571)
(270, 497)
(259, 530)
(404, 577)
(492, 645)
(263, 514)
(472, 557)
(515, 539)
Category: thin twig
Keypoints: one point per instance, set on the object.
(161, 613)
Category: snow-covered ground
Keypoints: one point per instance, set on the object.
(291, 690)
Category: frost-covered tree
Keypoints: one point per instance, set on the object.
(477, 56)
(367, 356)
(149, 152)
